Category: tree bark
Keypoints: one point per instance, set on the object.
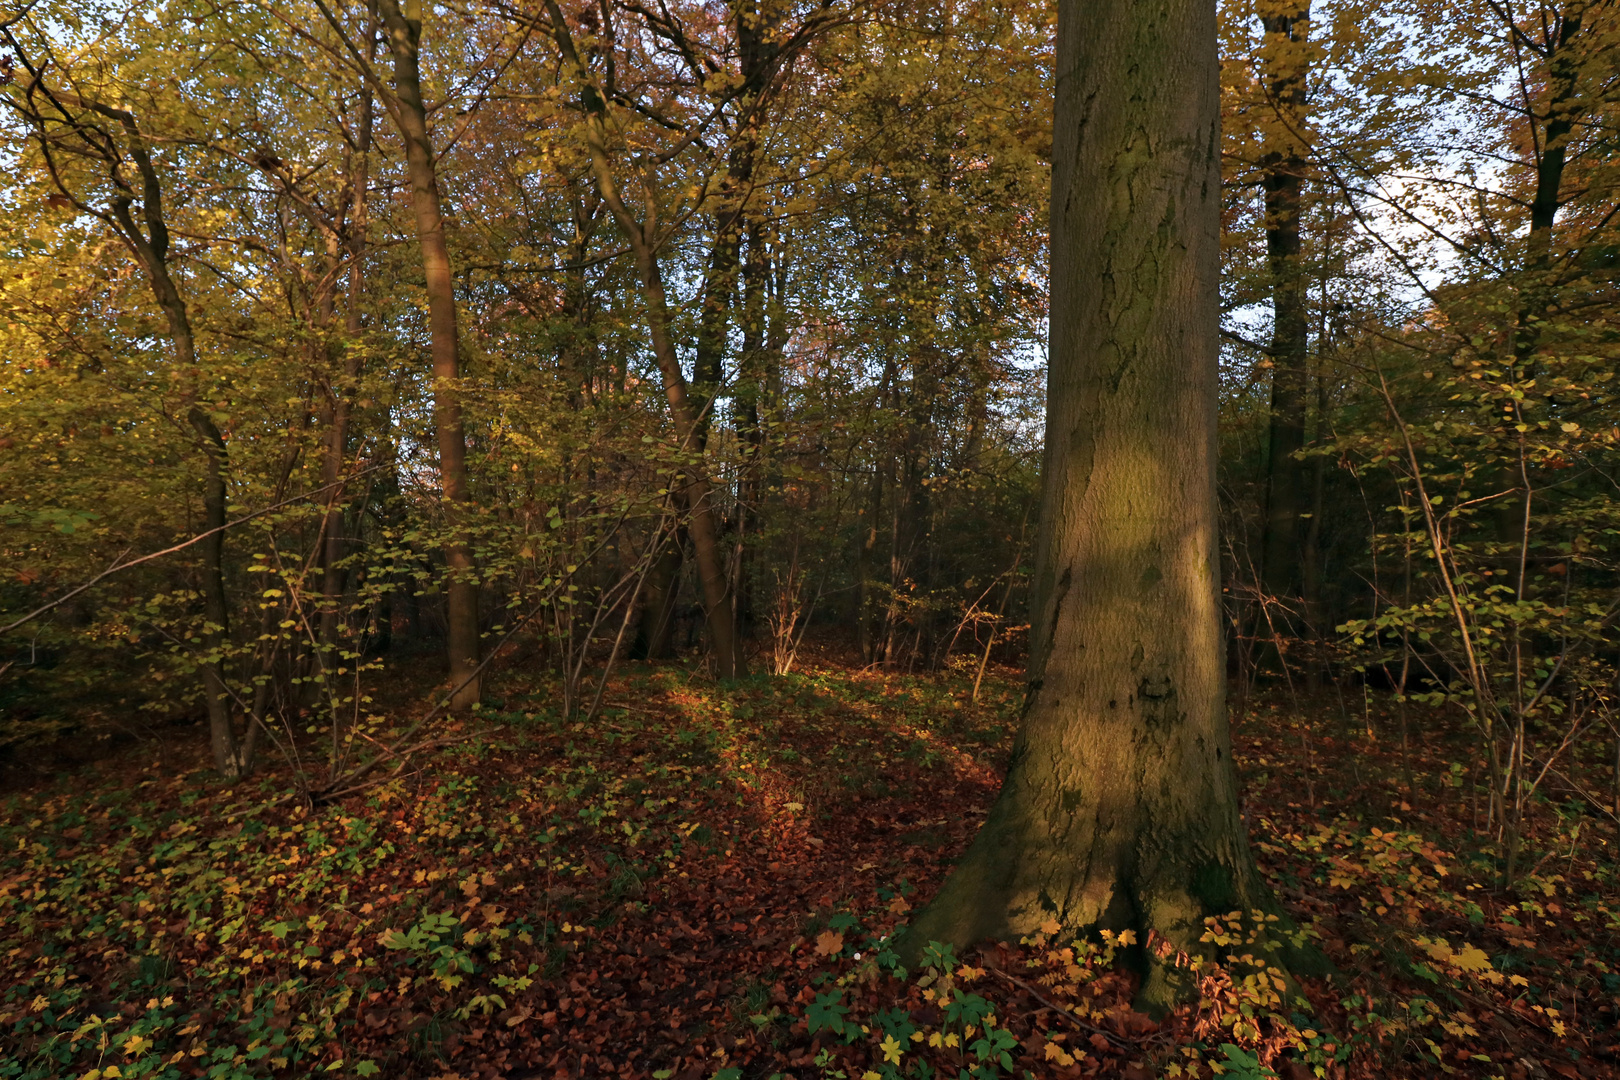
(1283, 172)
(404, 34)
(1120, 805)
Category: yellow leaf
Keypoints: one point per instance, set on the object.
(1472, 959)
(1056, 1053)
(891, 1049)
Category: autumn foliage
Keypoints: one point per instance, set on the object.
(517, 527)
(700, 883)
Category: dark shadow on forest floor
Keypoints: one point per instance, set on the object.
(698, 882)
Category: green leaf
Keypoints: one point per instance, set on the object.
(826, 1014)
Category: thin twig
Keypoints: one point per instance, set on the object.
(117, 566)
(1117, 1040)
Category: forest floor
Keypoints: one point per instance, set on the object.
(698, 884)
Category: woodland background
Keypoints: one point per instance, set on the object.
(646, 332)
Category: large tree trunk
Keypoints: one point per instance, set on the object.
(1283, 169)
(461, 593)
(1120, 805)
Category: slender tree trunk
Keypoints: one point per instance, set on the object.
(221, 732)
(1537, 288)
(753, 388)
(898, 566)
(461, 592)
(714, 319)
(1283, 171)
(655, 633)
(703, 521)
(216, 610)
(148, 240)
(1120, 806)
(866, 618)
(733, 223)
(577, 355)
(978, 413)
(1564, 108)
(913, 510)
(342, 398)
(1311, 549)
(152, 249)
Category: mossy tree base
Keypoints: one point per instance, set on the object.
(1113, 839)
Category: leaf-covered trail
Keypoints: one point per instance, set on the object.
(700, 881)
